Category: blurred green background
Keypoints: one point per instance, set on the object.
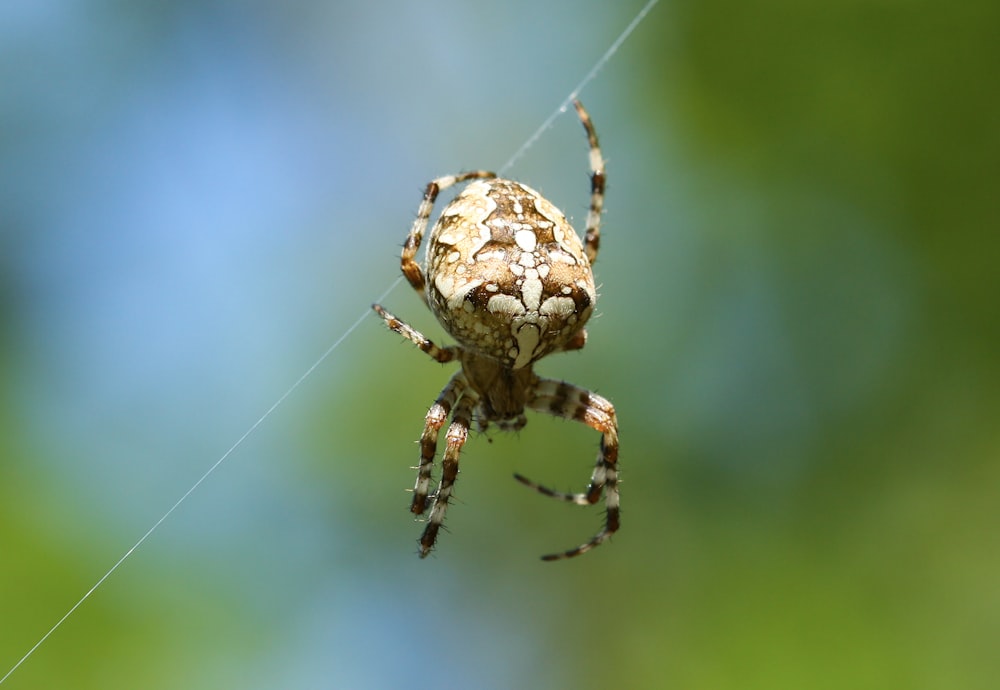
(798, 325)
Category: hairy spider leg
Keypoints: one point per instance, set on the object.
(592, 236)
(411, 269)
(458, 433)
(437, 415)
(441, 354)
(572, 402)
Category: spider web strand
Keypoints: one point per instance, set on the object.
(603, 60)
(284, 396)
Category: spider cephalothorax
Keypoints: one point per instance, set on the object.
(510, 280)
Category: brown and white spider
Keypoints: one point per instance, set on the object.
(510, 280)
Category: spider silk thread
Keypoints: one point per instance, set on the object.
(529, 142)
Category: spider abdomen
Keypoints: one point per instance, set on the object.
(508, 276)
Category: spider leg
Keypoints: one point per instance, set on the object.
(457, 434)
(441, 354)
(437, 415)
(592, 237)
(571, 402)
(411, 269)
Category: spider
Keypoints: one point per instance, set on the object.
(510, 280)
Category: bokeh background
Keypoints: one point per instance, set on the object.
(799, 326)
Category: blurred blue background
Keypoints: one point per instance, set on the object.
(798, 326)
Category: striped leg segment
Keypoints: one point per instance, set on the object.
(571, 402)
(592, 237)
(408, 263)
(457, 434)
(441, 354)
(437, 415)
